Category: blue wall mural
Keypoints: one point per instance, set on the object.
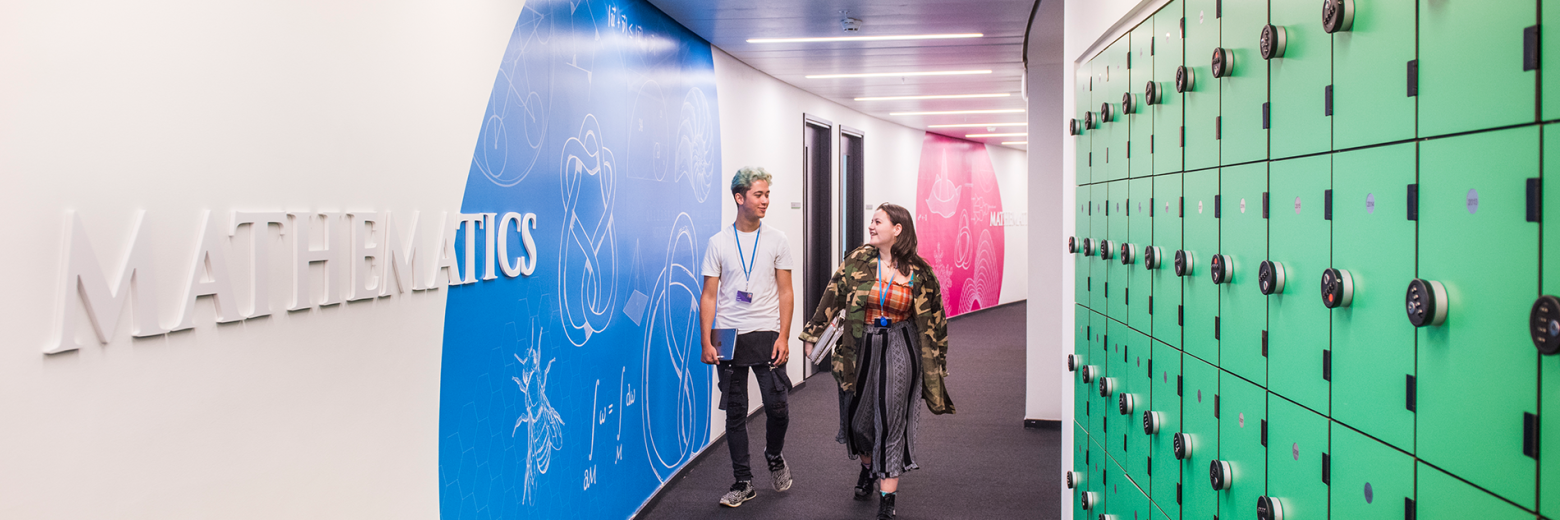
(574, 392)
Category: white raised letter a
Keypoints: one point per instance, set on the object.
(85, 282)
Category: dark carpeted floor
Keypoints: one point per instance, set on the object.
(978, 463)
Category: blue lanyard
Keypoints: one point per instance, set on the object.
(747, 265)
(883, 294)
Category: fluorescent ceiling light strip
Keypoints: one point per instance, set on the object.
(1015, 142)
(867, 38)
(941, 96)
(1015, 134)
(898, 74)
(976, 125)
(953, 112)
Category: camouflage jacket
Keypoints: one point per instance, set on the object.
(849, 289)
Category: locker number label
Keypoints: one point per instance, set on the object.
(1473, 201)
(1370, 203)
(1242, 205)
(1297, 205)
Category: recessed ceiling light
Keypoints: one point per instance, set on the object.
(899, 74)
(952, 112)
(941, 96)
(976, 125)
(1015, 142)
(1014, 134)
(867, 38)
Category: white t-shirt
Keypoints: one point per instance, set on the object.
(721, 260)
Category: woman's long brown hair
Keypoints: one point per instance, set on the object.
(904, 246)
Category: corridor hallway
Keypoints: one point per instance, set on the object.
(980, 463)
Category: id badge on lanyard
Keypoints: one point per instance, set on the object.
(747, 265)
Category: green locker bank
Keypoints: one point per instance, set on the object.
(1313, 273)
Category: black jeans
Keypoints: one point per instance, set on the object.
(773, 384)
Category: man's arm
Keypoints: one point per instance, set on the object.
(707, 318)
(782, 351)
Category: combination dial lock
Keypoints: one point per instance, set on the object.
(1105, 250)
(1183, 263)
(1183, 79)
(1544, 325)
(1107, 386)
(1125, 403)
(1072, 244)
(1073, 362)
(1337, 15)
(1337, 288)
(1087, 373)
(1151, 93)
(1220, 475)
(1269, 508)
(1223, 62)
(1088, 247)
(1152, 421)
(1221, 268)
(1107, 112)
(1071, 479)
(1128, 103)
(1088, 500)
(1074, 127)
(1183, 446)
(1272, 42)
(1088, 120)
(1151, 257)
(1128, 254)
(1270, 277)
(1426, 302)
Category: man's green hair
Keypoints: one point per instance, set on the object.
(745, 177)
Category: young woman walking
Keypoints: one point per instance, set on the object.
(894, 354)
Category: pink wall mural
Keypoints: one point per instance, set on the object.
(956, 194)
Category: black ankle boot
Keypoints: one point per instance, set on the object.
(886, 507)
(864, 484)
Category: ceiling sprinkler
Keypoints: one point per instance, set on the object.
(850, 24)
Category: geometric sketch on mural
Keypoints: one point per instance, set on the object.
(671, 338)
(518, 106)
(635, 307)
(544, 426)
(985, 269)
(694, 144)
(588, 259)
(649, 147)
(964, 244)
(944, 198)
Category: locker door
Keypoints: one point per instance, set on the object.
(1296, 440)
(1080, 468)
(1199, 386)
(1369, 480)
(1443, 497)
(1126, 499)
(1140, 120)
(1082, 263)
(1202, 101)
(1549, 366)
(1166, 404)
(1168, 42)
(1242, 408)
(1121, 372)
(1243, 240)
(1111, 81)
(1470, 423)
(1372, 355)
(1201, 243)
(1082, 97)
(1102, 473)
(1244, 91)
(1099, 408)
(1166, 300)
(1117, 231)
(1298, 113)
(1472, 74)
(1139, 286)
(1081, 341)
(1371, 101)
(1549, 60)
(1300, 240)
(1099, 274)
(1136, 354)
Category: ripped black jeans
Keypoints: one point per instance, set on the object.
(773, 384)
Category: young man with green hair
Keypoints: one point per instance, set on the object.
(747, 287)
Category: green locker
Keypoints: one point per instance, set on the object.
(1126, 500)
(1082, 260)
(1137, 113)
(1549, 366)
(1200, 430)
(1472, 421)
(1201, 242)
(1165, 303)
(1099, 273)
(1202, 99)
(1110, 143)
(1474, 69)
(1081, 342)
(1299, 78)
(1299, 247)
(1101, 476)
(1137, 357)
(1372, 59)
(1242, 410)
(1122, 370)
(1117, 232)
(1243, 83)
(1169, 106)
(1369, 480)
(1161, 425)
(1138, 287)
(1083, 118)
(1099, 363)
(1372, 356)
(1080, 471)
(1296, 440)
(1549, 60)
(1444, 497)
(1243, 243)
